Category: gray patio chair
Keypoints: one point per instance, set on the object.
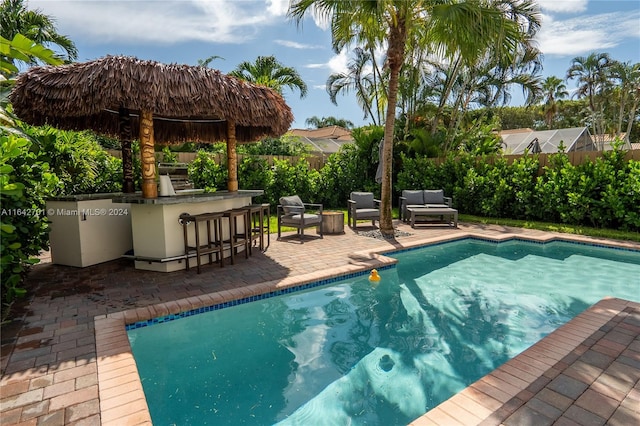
(362, 205)
(292, 211)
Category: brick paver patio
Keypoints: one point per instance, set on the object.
(65, 360)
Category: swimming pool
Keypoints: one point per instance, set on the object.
(373, 354)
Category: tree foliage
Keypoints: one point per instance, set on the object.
(268, 71)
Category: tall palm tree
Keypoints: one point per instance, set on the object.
(465, 27)
(627, 94)
(590, 71)
(592, 75)
(267, 71)
(486, 77)
(15, 18)
(360, 78)
(554, 91)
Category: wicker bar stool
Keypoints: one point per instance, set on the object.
(213, 243)
(258, 213)
(238, 238)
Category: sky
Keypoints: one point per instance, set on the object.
(187, 31)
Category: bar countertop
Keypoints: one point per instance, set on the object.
(188, 197)
(95, 196)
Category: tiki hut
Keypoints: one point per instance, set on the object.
(169, 104)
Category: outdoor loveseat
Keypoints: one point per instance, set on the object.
(427, 198)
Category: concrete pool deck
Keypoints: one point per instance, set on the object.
(66, 359)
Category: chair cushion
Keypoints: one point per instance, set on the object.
(433, 196)
(414, 197)
(367, 213)
(292, 204)
(296, 219)
(363, 200)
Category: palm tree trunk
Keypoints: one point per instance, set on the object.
(395, 55)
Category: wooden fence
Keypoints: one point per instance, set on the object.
(316, 162)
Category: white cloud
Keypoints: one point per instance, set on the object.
(277, 7)
(296, 45)
(165, 22)
(582, 34)
(335, 64)
(563, 6)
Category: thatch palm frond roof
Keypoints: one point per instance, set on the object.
(189, 103)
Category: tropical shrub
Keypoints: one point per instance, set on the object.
(342, 173)
(289, 179)
(78, 160)
(25, 182)
(206, 174)
(255, 173)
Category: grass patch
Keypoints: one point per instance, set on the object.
(613, 234)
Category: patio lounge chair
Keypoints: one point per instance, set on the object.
(362, 205)
(422, 198)
(293, 212)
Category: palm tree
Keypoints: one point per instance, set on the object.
(591, 74)
(267, 71)
(15, 19)
(554, 91)
(465, 27)
(318, 123)
(627, 94)
(205, 62)
(359, 78)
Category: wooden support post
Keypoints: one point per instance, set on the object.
(127, 156)
(147, 153)
(232, 157)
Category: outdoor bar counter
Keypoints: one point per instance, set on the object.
(158, 239)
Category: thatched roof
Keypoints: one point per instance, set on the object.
(189, 103)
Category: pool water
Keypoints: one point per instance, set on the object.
(357, 353)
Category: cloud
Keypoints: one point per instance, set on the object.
(164, 22)
(335, 64)
(296, 45)
(563, 6)
(582, 34)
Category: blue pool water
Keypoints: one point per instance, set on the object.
(355, 353)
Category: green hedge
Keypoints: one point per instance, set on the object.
(603, 193)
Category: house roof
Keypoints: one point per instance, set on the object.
(326, 140)
(517, 141)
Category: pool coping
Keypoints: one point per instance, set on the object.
(122, 399)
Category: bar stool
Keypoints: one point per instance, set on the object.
(213, 243)
(237, 238)
(257, 215)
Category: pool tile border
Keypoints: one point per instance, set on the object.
(122, 399)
